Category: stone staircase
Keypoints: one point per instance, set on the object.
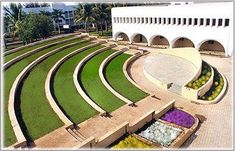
(175, 89)
(78, 136)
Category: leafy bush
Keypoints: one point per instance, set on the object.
(202, 79)
(216, 87)
(179, 117)
(131, 142)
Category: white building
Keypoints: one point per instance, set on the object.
(205, 26)
(68, 10)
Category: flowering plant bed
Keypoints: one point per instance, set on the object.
(161, 133)
(178, 117)
(216, 87)
(132, 142)
(202, 79)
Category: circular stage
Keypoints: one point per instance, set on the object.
(169, 69)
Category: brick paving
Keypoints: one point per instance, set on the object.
(216, 130)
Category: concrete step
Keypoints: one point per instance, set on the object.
(175, 89)
(74, 135)
(79, 134)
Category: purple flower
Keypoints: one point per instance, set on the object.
(178, 117)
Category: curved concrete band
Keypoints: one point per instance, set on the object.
(21, 140)
(52, 102)
(106, 84)
(20, 57)
(77, 84)
(125, 68)
(38, 42)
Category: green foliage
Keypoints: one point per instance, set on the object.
(203, 78)
(35, 26)
(117, 79)
(131, 142)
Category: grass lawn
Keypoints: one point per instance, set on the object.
(29, 48)
(36, 103)
(9, 77)
(117, 79)
(67, 96)
(90, 80)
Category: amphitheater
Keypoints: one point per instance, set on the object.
(78, 91)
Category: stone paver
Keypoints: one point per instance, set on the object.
(167, 68)
(216, 130)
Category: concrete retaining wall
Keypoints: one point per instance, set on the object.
(219, 97)
(115, 134)
(106, 84)
(38, 42)
(48, 92)
(125, 68)
(77, 84)
(164, 109)
(139, 123)
(11, 103)
(20, 57)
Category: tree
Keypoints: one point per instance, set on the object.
(35, 26)
(13, 15)
(85, 14)
(56, 16)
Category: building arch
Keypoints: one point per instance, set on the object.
(182, 42)
(211, 45)
(159, 41)
(138, 38)
(121, 36)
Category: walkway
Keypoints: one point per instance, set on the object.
(216, 130)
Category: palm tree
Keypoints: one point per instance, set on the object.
(84, 14)
(56, 16)
(13, 15)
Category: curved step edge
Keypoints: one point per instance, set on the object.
(38, 42)
(104, 81)
(78, 86)
(68, 123)
(125, 68)
(21, 140)
(20, 57)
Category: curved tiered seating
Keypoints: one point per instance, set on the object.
(88, 74)
(26, 48)
(9, 76)
(14, 90)
(52, 82)
(20, 55)
(114, 78)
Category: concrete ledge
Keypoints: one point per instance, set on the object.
(87, 144)
(38, 42)
(193, 94)
(125, 68)
(20, 57)
(219, 97)
(164, 109)
(185, 135)
(11, 103)
(51, 73)
(106, 84)
(158, 83)
(139, 123)
(115, 134)
(78, 86)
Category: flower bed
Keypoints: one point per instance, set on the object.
(179, 117)
(161, 133)
(202, 79)
(131, 142)
(216, 87)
